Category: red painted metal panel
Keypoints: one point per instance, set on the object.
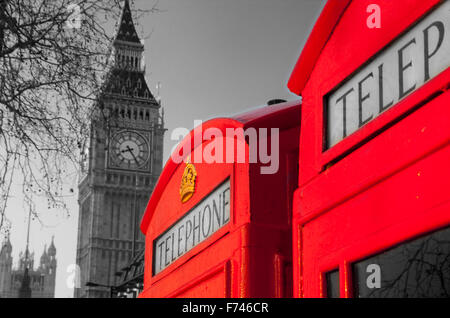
(283, 115)
(251, 256)
(398, 209)
(382, 185)
(338, 60)
(317, 40)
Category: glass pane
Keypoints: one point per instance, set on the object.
(419, 268)
(333, 284)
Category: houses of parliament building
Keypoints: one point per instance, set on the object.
(26, 280)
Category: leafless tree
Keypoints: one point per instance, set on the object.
(53, 57)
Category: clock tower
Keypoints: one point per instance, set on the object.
(122, 165)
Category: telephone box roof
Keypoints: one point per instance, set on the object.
(319, 36)
(285, 115)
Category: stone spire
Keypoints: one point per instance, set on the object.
(52, 249)
(25, 289)
(126, 78)
(44, 258)
(127, 31)
(6, 247)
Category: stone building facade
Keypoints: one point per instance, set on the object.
(41, 279)
(122, 165)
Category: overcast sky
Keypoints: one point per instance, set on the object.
(214, 58)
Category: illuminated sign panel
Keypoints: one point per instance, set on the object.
(211, 214)
(404, 66)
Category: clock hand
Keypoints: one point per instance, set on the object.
(137, 163)
(132, 153)
(128, 150)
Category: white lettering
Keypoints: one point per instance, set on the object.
(407, 64)
(197, 225)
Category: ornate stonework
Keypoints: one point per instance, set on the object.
(41, 279)
(123, 164)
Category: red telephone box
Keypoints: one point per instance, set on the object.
(223, 229)
(372, 209)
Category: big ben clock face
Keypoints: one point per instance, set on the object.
(129, 150)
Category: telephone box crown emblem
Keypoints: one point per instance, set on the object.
(187, 187)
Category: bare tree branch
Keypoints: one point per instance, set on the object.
(50, 76)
